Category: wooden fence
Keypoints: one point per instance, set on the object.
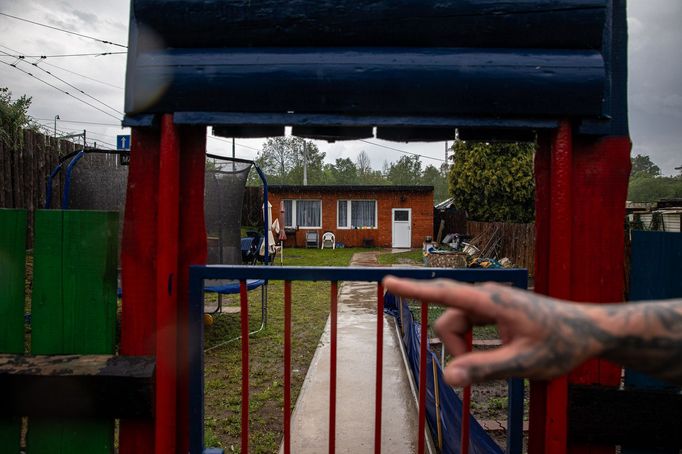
(24, 168)
(517, 241)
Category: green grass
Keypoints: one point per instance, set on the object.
(415, 257)
(310, 309)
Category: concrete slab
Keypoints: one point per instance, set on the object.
(356, 383)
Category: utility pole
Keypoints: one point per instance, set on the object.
(305, 164)
(233, 148)
(56, 117)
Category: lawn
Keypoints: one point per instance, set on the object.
(412, 257)
(223, 368)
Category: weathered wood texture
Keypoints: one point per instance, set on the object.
(75, 386)
(73, 310)
(12, 262)
(337, 23)
(24, 168)
(517, 241)
(395, 81)
(638, 418)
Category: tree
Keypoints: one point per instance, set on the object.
(364, 165)
(282, 160)
(643, 166)
(645, 188)
(494, 182)
(343, 171)
(438, 178)
(407, 171)
(13, 117)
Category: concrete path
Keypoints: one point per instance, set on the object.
(356, 381)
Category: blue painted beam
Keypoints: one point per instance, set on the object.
(361, 81)
(315, 119)
(517, 277)
(563, 24)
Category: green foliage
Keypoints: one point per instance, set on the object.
(646, 184)
(643, 166)
(343, 171)
(438, 178)
(645, 188)
(282, 161)
(13, 117)
(494, 182)
(407, 171)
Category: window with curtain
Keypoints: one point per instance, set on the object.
(363, 213)
(288, 213)
(356, 214)
(309, 213)
(342, 214)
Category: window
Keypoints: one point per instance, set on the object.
(356, 214)
(303, 213)
(309, 213)
(288, 213)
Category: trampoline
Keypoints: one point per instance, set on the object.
(94, 179)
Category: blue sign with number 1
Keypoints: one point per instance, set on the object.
(123, 142)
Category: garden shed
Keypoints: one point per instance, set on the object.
(384, 216)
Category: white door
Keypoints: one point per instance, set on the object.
(402, 227)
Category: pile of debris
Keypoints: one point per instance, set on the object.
(463, 251)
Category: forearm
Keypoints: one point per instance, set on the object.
(644, 336)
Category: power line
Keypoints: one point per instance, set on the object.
(401, 151)
(67, 70)
(70, 85)
(80, 122)
(96, 54)
(229, 141)
(64, 31)
(59, 89)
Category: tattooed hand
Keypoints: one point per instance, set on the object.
(543, 337)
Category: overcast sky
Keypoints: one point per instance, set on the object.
(655, 79)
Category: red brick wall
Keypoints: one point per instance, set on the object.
(421, 204)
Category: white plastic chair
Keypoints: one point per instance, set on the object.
(330, 239)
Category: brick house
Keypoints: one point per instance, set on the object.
(384, 216)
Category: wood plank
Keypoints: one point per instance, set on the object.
(12, 265)
(138, 319)
(70, 386)
(361, 81)
(337, 23)
(74, 311)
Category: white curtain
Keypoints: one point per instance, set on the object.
(343, 213)
(363, 213)
(308, 213)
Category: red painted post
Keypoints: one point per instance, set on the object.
(421, 438)
(244, 309)
(287, 367)
(167, 232)
(138, 261)
(538, 389)
(332, 368)
(379, 368)
(193, 251)
(580, 205)
(466, 405)
(560, 236)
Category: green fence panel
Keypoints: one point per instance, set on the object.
(12, 269)
(74, 312)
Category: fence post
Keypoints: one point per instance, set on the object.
(12, 263)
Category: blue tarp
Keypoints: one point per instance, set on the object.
(450, 403)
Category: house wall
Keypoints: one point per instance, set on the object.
(421, 204)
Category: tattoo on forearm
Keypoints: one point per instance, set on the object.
(646, 337)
